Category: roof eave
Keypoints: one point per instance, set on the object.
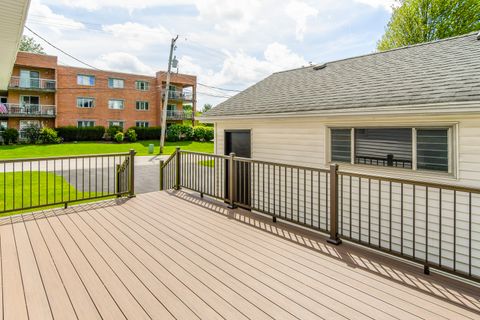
(431, 108)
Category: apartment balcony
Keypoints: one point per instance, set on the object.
(32, 84)
(28, 110)
(179, 95)
(179, 115)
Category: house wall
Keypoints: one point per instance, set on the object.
(369, 209)
(305, 141)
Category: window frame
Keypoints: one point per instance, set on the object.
(147, 85)
(82, 120)
(86, 75)
(123, 104)
(145, 104)
(90, 98)
(452, 136)
(142, 121)
(119, 121)
(112, 86)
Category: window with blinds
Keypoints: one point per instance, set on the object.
(341, 145)
(392, 147)
(432, 149)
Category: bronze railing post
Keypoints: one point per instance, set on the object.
(334, 239)
(161, 175)
(231, 180)
(117, 184)
(177, 168)
(131, 173)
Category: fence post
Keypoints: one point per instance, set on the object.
(231, 181)
(177, 168)
(161, 174)
(131, 174)
(334, 239)
(117, 182)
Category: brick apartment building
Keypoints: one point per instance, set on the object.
(42, 92)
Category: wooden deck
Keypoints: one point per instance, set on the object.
(172, 255)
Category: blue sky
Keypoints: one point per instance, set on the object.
(226, 43)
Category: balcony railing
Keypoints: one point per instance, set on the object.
(179, 115)
(28, 110)
(179, 95)
(32, 83)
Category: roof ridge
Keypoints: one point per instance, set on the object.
(386, 51)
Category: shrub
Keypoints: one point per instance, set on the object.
(32, 133)
(71, 133)
(199, 133)
(131, 135)
(209, 134)
(150, 133)
(118, 137)
(48, 135)
(178, 132)
(113, 130)
(202, 133)
(10, 135)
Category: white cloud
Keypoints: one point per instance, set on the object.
(123, 62)
(130, 5)
(43, 15)
(300, 11)
(386, 4)
(137, 35)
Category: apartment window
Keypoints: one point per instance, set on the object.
(115, 104)
(85, 123)
(392, 147)
(85, 102)
(3, 125)
(141, 105)
(142, 85)
(141, 124)
(116, 83)
(85, 80)
(116, 123)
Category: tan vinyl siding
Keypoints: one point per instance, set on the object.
(305, 142)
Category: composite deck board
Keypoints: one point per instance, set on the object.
(366, 294)
(172, 255)
(58, 298)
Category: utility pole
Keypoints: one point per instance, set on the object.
(165, 100)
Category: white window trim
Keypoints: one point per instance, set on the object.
(120, 121)
(453, 156)
(144, 81)
(145, 121)
(87, 75)
(93, 105)
(86, 120)
(142, 101)
(113, 87)
(123, 104)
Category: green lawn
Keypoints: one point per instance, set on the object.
(72, 149)
(207, 163)
(34, 192)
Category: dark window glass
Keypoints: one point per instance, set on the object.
(432, 149)
(384, 147)
(341, 145)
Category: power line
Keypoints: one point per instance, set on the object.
(213, 87)
(48, 42)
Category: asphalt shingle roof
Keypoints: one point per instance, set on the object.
(436, 72)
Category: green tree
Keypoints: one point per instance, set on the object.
(29, 44)
(417, 21)
(206, 107)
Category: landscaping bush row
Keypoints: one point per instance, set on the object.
(176, 132)
(71, 133)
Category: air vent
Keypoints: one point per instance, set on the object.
(320, 66)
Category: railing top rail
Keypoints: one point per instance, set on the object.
(30, 78)
(281, 164)
(204, 154)
(412, 182)
(65, 157)
(169, 159)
